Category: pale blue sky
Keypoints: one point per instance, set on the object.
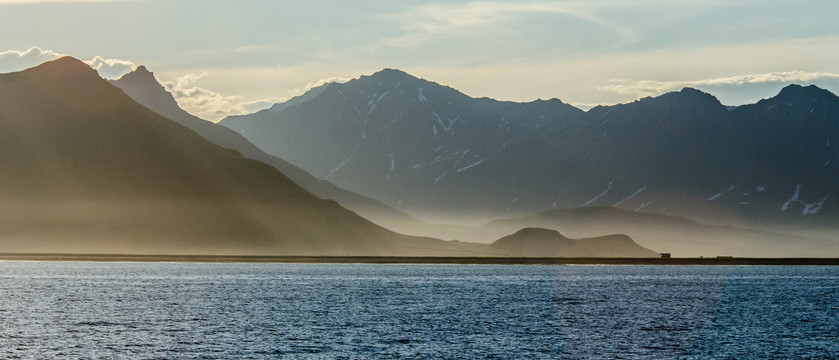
(223, 57)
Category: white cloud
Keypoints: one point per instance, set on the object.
(654, 87)
(208, 104)
(314, 84)
(13, 60)
(111, 68)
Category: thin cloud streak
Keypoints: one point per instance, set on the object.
(654, 87)
(432, 21)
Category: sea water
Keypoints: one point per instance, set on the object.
(330, 311)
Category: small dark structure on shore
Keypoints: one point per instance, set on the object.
(664, 255)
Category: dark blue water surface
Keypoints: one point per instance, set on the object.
(319, 311)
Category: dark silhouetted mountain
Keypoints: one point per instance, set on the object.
(142, 86)
(433, 151)
(84, 168)
(552, 244)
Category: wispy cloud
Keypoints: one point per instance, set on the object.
(442, 20)
(654, 87)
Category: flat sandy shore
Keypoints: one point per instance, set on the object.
(417, 260)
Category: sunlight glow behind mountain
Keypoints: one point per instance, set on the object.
(249, 55)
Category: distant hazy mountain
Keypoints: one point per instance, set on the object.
(142, 86)
(84, 168)
(553, 244)
(679, 236)
(429, 149)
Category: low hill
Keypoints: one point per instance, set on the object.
(664, 233)
(550, 243)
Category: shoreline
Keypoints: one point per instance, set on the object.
(412, 259)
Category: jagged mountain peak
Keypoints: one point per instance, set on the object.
(142, 75)
(65, 63)
(66, 67)
(386, 76)
(794, 91)
(793, 99)
(142, 70)
(688, 96)
(141, 85)
(393, 73)
(389, 78)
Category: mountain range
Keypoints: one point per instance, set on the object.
(434, 152)
(84, 168)
(677, 235)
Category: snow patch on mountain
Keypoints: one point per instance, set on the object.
(471, 166)
(714, 197)
(599, 196)
(342, 164)
(809, 208)
(373, 101)
(793, 199)
(392, 165)
(812, 209)
(437, 179)
(643, 206)
(631, 196)
(440, 121)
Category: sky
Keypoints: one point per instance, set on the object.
(234, 57)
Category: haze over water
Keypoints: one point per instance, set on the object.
(141, 310)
